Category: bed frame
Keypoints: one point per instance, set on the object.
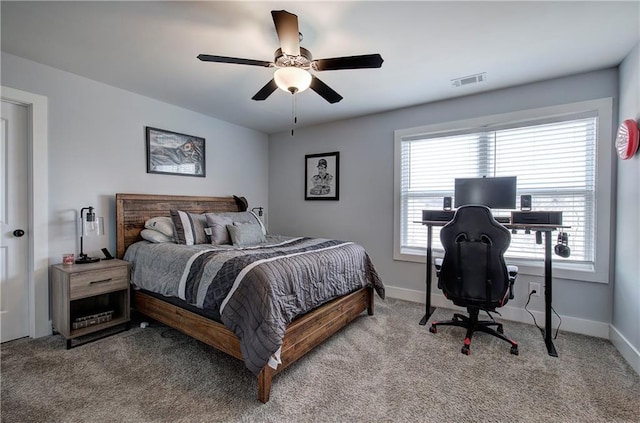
(302, 335)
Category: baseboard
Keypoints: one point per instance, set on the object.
(569, 324)
(628, 351)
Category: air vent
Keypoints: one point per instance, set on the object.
(471, 79)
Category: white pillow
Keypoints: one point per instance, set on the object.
(162, 224)
(154, 236)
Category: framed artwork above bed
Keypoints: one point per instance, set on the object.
(173, 153)
(322, 176)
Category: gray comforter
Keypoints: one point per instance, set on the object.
(257, 291)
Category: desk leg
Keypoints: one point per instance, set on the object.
(547, 295)
(429, 310)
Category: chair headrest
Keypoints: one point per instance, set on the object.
(476, 222)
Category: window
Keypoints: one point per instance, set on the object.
(553, 153)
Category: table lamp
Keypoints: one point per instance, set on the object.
(90, 225)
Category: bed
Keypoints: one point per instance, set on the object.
(303, 333)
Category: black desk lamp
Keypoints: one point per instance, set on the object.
(90, 225)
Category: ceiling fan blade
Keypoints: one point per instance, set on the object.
(348, 62)
(234, 60)
(324, 90)
(265, 91)
(287, 28)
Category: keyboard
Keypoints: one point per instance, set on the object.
(503, 219)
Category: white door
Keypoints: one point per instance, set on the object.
(14, 230)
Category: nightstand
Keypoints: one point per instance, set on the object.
(88, 298)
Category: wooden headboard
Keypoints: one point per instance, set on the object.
(132, 210)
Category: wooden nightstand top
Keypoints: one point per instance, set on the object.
(88, 267)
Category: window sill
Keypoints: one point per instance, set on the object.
(584, 272)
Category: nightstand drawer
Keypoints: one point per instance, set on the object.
(96, 282)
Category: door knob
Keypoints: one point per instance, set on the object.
(18, 233)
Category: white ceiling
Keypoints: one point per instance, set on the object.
(150, 48)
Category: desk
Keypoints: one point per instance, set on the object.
(548, 279)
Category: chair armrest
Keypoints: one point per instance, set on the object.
(437, 263)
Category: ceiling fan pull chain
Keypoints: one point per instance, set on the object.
(294, 118)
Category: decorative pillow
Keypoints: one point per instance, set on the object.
(162, 224)
(243, 234)
(154, 236)
(218, 223)
(189, 227)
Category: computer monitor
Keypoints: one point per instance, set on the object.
(495, 193)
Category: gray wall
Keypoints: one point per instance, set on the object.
(365, 211)
(626, 294)
(97, 149)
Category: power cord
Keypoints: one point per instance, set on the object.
(533, 291)
(559, 322)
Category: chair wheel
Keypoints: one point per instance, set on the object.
(433, 329)
(465, 350)
(514, 350)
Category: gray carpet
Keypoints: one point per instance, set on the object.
(384, 368)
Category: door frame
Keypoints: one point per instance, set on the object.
(38, 207)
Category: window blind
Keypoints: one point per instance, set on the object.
(554, 162)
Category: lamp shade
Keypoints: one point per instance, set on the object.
(292, 79)
(94, 228)
(92, 225)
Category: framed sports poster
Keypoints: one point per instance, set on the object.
(174, 153)
(322, 176)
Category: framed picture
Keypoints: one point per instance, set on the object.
(174, 154)
(322, 176)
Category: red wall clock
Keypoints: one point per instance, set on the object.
(627, 139)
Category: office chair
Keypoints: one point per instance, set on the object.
(473, 273)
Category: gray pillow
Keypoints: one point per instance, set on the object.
(218, 223)
(189, 227)
(243, 234)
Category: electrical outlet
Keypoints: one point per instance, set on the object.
(534, 287)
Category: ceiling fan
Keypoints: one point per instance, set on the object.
(293, 62)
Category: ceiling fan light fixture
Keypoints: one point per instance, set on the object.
(292, 79)
(294, 63)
